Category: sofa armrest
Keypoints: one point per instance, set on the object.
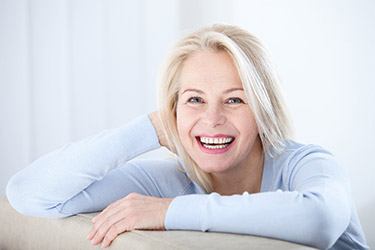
(24, 232)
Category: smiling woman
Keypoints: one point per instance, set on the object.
(219, 113)
(215, 67)
(235, 168)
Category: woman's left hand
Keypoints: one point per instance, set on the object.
(135, 211)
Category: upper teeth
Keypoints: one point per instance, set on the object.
(216, 140)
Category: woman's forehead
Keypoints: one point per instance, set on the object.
(209, 70)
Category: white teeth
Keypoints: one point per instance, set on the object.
(209, 140)
(215, 147)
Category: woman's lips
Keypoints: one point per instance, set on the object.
(216, 150)
(215, 136)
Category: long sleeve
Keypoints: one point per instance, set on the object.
(44, 187)
(312, 209)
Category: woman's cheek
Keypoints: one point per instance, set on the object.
(181, 122)
(185, 122)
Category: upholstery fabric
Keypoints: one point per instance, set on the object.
(19, 232)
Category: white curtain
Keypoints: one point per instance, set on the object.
(72, 68)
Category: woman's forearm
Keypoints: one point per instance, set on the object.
(58, 176)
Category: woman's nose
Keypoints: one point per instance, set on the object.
(214, 116)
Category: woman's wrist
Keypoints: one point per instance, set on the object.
(156, 122)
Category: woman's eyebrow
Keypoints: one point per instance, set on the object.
(193, 90)
(201, 92)
(232, 89)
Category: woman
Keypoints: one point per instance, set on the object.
(222, 114)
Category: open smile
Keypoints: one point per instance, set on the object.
(217, 144)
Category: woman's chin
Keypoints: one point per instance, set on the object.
(211, 167)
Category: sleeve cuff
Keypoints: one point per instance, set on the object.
(185, 213)
(140, 136)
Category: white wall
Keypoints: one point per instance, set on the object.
(71, 68)
(325, 57)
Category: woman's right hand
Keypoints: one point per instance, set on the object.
(156, 122)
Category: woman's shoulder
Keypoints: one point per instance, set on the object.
(167, 172)
(306, 160)
(294, 150)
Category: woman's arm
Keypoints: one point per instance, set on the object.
(315, 212)
(156, 122)
(46, 185)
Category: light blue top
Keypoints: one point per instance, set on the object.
(304, 198)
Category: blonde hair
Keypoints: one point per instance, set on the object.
(258, 79)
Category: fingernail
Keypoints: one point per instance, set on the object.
(90, 234)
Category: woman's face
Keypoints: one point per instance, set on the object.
(214, 121)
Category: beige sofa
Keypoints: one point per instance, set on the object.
(23, 232)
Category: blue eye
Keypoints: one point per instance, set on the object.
(195, 99)
(235, 100)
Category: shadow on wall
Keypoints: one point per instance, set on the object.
(368, 222)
